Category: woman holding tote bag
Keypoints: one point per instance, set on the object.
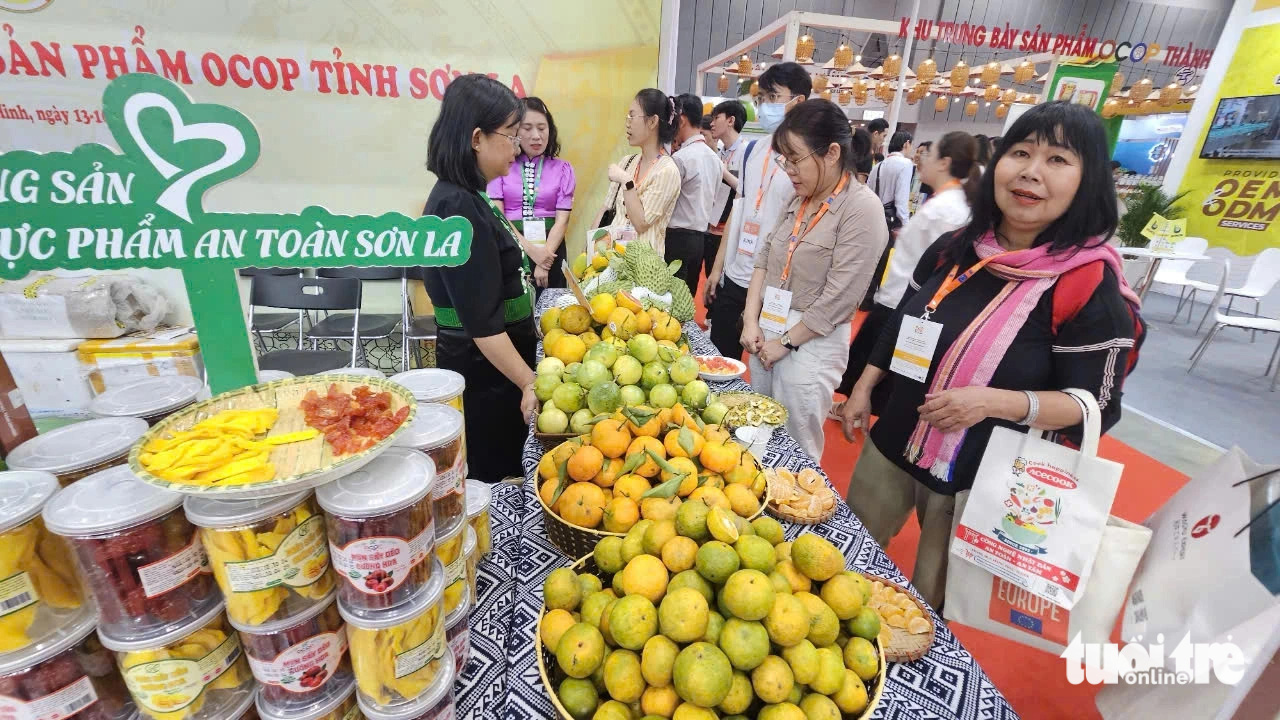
(975, 342)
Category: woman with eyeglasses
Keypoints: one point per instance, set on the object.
(812, 269)
(536, 194)
(646, 186)
(484, 307)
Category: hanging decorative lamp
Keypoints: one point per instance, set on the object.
(820, 82)
(960, 75)
(1142, 89)
(1117, 83)
(1025, 71)
(927, 71)
(804, 49)
(755, 88)
(722, 84)
(1009, 96)
(940, 103)
(991, 73)
(1002, 109)
(744, 66)
(845, 96)
(1110, 108)
(1149, 106)
(825, 95)
(893, 65)
(843, 57)
(1170, 94)
(860, 96)
(971, 108)
(992, 92)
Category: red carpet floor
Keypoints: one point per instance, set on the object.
(1033, 681)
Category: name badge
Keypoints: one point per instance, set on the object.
(535, 231)
(749, 238)
(773, 312)
(627, 234)
(913, 353)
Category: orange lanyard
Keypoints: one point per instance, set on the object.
(763, 185)
(636, 173)
(797, 236)
(945, 186)
(953, 281)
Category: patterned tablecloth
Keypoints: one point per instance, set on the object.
(501, 679)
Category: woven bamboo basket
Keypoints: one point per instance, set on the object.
(576, 541)
(547, 662)
(903, 646)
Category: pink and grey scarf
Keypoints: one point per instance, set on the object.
(972, 359)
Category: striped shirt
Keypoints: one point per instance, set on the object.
(659, 187)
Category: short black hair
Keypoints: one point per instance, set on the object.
(818, 124)
(690, 106)
(862, 162)
(655, 103)
(706, 122)
(553, 139)
(789, 75)
(878, 125)
(1091, 218)
(734, 111)
(984, 150)
(1115, 165)
(470, 102)
(899, 139)
(924, 144)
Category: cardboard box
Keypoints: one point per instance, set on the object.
(114, 362)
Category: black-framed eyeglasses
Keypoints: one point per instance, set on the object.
(772, 97)
(785, 165)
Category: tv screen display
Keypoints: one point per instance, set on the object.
(1245, 127)
(1146, 142)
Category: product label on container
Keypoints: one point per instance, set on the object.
(414, 659)
(57, 705)
(300, 560)
(17, 592)
(376, 565)
(166, 686)
(174, 571)
(456, 570)
(305, 666)
(450, 479)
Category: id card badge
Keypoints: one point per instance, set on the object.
(913, 353)
(773, 313)
(749, 238)
(627, 234)
(535, 231)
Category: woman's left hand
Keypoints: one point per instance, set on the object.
(956, 409)
(529, 405)
(540, 256)
(618, 175)
(771, 352)
(540, 276)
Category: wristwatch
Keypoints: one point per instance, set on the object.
(630, 185)
(786, 341)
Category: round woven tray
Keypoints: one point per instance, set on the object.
(576, 541)
(905, 647)
(547, 662)
(785, 512)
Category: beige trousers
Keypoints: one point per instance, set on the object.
(882, 495)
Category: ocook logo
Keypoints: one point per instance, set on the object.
(1051, 476)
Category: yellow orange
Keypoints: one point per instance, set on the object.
(611, 437)
(620, 514)
(720, 457)
(648, 468)
(586, 463)
(569, 349)
(575, 319)
(582, 504)
(673, 446)
(601, 305)
(609, 474)
(632, 486)
(656, 508)
(650, 428)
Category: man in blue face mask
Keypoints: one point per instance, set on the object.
(764, 192)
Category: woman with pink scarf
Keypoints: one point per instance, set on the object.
(980, 313)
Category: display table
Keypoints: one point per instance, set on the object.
(1157, 257)
(501, 680)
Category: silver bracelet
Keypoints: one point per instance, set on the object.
(1033, 408)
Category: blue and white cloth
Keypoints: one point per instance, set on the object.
(501, 680)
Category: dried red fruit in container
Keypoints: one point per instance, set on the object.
(352, 422)
(299, 662)
(437, 432)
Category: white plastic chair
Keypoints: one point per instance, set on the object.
(1263, 275)
(1174, 272)
(1243, 322)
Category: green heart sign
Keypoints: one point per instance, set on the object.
(95, 209)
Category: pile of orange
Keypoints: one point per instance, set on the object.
(643, 462)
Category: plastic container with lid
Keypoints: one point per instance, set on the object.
(435, 703)
(266, 376)
(139, 556)
(247, 710)
(270, 556)
(196, 672)
(39, 590)
(479, 498)
(74, 677)
(381, 530)
(451, 550)
(471, 550)
(399, 655)
(340, 705)
(434, 385)
(80, 449)
(299, 662)
(151, 399)
(457, 632)
(357, 371)
(437, 431)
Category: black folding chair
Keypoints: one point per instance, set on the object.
(366, 327)
(416, 327)
(306, 294)
(272, 322)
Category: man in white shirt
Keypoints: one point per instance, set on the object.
(700, 170)
(764, 194)
(891, 179)
(727, 120)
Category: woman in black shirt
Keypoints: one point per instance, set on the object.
(994, 292)
(484, 307)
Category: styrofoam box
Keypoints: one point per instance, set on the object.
(49, 374)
